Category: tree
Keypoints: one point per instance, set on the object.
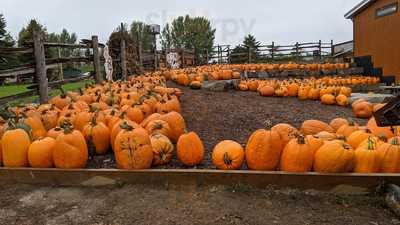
(140, 32)
(6, 39)
(26, 33)
(195, 33)
(240, 54)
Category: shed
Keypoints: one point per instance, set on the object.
(376, 30)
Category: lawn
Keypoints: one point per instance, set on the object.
(9, 90)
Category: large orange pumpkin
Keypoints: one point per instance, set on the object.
(297, 156)
(15, 145)
(176, 123)
(40, 153)
(97, 136)
(228, 155)
(133, 148)
(334, 157)
(367, 159)
(190, 149)
(263, 150)
(70, 150)
(389, 155)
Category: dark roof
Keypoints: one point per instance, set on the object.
(359, 8)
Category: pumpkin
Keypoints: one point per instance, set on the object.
(334, 157)
(286, 132)
(342, 100)
(297, 156)
(163, 149)
(347, 129)
(228, 155)
(97, 136)
(117, 128)
(263, 150)
(326, 136)
(176, 124)
(61, 101)
(190, 149)
(135, 114)
(38, 130)
(367, 159)
(54, 133)
(389, 156)
(266, 91)
(328, 99)
(386, 132)
(49, 119)
(159, 126)
(337, 123)
(133, 148)
(312, 127)
(314, 142)
(363, 110)
(70, 150)
(358, 137)
(15, 145)
(196, 85)
(40, 153)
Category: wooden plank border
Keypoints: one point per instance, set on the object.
(343, 183)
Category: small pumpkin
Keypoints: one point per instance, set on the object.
(163, 149)
(297, 156)
(367, 159)
(334, 157)
(312, 127)
(15, 145)
(337, 123)
(159, 126)
(97, 136)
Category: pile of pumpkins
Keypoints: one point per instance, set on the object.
(139, 120)
(339, 147)
(328, 90)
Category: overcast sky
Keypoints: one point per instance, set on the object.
(282, 21)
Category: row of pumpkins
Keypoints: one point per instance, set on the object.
(227, 72)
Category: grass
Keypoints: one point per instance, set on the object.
(16, 89)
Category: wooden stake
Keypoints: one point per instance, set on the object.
(96, 60)
(41, 73)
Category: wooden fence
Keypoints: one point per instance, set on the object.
(39, 66)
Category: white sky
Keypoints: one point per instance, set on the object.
(282, 21)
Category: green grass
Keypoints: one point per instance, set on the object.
(16, 89)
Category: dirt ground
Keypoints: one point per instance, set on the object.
(220, 205)
(235, 115)
(214, 116)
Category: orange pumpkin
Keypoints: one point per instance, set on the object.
(312, 127)
(176, 123)
(190, 149)
(367, 159)
(297, 156)
(363, 110)
(40, 153)
(334, 157)
(228, 155)
(386, 132)
(389, 156)
(133, 148)
(159, 126)
(97, 136)
(263, 150)
(15, 145)
(337, 123)
(163, 149)
(70, 150)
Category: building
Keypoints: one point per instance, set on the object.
(377, 34)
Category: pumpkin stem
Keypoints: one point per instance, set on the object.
(126, 126)
(371, 144)
(67, 127)
(395, 141)
(301, 140)
(268, 124)
(227, 159)
(351, 122)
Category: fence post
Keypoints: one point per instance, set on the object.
(96, 59)
(183, 59)
(229, 54)
(40, 61)
(332, 49)
(297, 52)
(123, 60)
(207, 59)
(320, 49)
(272, 50)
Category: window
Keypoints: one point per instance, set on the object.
(387, 10)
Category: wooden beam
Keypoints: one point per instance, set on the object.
(337, 183)
(5, 100)
(41, 72)
(8, 51)
(123, 60)
(96, 59)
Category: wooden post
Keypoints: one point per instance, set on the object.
(272, 50)
(155, 52)
(332, 49)
(61, 76)
(229, 54)
(183, 58)
(297, 52)
(207, 59)
(320, 49)
(123, 60)
(41, 73)
(96, 60)
(140, 51)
